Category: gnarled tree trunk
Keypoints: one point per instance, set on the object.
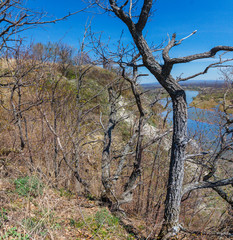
(176, 171)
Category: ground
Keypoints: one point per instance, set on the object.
(53, 214)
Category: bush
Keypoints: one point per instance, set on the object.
(104, 217)
(29, 186)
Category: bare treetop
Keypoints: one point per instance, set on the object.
(15, 18)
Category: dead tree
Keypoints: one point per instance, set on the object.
(133, 147)
(125, 63)
(135, 24)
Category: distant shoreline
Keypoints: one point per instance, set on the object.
(191, 83)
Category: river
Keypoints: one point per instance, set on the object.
(203, 125)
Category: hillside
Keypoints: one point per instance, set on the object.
(54, 128)
(36, 145)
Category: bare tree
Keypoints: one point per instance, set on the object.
(125, 63)
(136, 144)
(16, 17)
(126, 12)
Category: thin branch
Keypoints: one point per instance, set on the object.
(182, 39)
(152, 141)
(200, 185)
(208, 54)
(213, 65)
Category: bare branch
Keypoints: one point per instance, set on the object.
(152, 141)
(224, 195)
(200, 185)
(130, 9)
(16, 18)
(166, 50)
(208, 54)
(213, 65)
(171, 44)
(121, 14)
(182, 39)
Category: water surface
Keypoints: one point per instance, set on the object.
(203, 125)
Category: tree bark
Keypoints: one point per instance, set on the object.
(106, 158)
(176, 171)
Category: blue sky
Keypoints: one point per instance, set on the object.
(213, 21)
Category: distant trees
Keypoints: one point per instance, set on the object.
(136, 22)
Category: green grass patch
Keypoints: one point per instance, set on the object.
(102, 224)
(14, 233)
(3, 216)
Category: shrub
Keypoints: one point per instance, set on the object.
(104, 217)
(31, 186)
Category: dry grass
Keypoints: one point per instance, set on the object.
(55, 214)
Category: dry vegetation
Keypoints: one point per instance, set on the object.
(41, 195)
(84, 152)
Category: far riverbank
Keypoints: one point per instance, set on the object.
(212, 99)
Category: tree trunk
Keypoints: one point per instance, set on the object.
(176, 172)
(106, 158)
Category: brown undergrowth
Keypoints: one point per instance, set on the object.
(53, 214)
(40, 196)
